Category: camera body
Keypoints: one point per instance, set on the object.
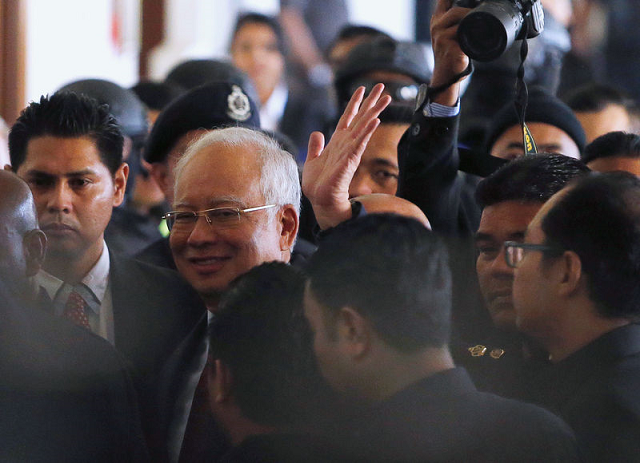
(493, 25)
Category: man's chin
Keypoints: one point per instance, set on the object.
(503, 317)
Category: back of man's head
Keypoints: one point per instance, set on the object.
(394, 272)
(22, 244)
(598, 217)
(613, 144)
(68, 115)
(261, 335)
(529, 179)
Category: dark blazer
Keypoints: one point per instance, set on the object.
(65, 394)
(597, 392)
(444, 418)
(153, 311)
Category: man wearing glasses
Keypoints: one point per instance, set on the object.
(576, 292)
(509, 199)
(237, 203)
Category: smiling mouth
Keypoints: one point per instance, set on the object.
(208, 264)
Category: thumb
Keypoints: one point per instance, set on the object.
(316, 145)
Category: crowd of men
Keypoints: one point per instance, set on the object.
(415, 293)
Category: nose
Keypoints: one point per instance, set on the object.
(203, 233)
(360, 185)
(60, 198)
(499, 265)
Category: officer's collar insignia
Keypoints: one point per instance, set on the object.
(496, 353)
(238, 107)
(477, 351)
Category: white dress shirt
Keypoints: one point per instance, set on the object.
(94, 289)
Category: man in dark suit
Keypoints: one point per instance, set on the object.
(378, 301)
(65, 394)
(68, 149)
(264, 385)
(237, 200)
(576, 292)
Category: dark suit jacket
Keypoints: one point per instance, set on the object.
(597, 392)
(444, 418)
(65, 394)
(153, 310)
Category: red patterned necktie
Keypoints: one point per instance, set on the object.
(74, 310)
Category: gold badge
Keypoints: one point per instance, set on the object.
(496, 353)
(477, 351)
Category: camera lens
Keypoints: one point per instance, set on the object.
(488, 30)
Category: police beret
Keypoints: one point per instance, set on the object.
(211, 106)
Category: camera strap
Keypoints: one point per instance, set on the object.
(522, 98)
(427, 93)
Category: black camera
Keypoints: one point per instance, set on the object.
(493, 25)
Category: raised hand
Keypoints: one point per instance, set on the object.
(328, 170)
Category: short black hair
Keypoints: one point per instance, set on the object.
(393, 271)
(612, 144)
(68, 115)
(598, 218)
(532, 178)
(594, 97)
(261, 334)
(258, 18)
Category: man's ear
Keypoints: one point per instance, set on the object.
(8, 167)
(120, 183)
(220, 381)
(34, 244)
(570, 276)
(289, 224)
(354, 332)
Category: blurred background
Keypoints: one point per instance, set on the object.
(45, 44)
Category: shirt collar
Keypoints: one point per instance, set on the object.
(272, 111)
(96, 280)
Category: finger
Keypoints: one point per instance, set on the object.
(351, 110)
(362, 139)
(441, 7)
(316, 145)
(369, 102)
(371, 114)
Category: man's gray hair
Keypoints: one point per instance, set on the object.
(279, 179)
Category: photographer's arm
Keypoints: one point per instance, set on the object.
(427, 154)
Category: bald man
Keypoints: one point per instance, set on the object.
(64, 394)
(380, 203)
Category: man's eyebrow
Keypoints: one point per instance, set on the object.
(515, 144)
(78, 173)
(484, 237)
(385, 162)
(549, 148)
(487, 237)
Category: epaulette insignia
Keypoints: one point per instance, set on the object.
(477, 351)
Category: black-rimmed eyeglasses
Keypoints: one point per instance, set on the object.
(220, 217)
(514, 252)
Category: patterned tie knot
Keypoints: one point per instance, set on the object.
(74, 310)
